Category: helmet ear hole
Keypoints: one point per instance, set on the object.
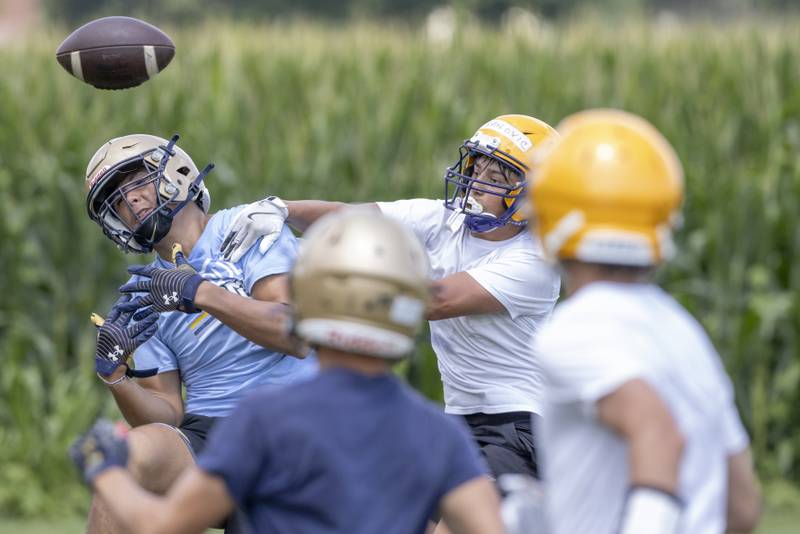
(184, 170)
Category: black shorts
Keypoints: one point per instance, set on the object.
(195, 430)
(506, 442)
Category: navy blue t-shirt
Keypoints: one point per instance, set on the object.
(342, 452)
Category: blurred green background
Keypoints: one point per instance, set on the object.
(370, 102)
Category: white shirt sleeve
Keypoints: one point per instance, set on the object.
(587, 363)
(734, 435)
(422, 215)
(524, 283)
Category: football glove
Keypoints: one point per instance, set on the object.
(260, 220)
(117, 339)
(103, 446)
(167, 289)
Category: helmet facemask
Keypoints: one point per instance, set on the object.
(460, 182)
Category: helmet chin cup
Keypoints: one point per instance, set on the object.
(471, 206)
(153, 229)
(483, 223)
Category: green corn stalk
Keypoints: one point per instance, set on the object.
(363, 112)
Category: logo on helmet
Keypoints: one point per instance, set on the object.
(99, 174)
(519, 139)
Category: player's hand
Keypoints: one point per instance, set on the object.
(522, 509)
(102, 447)
(260, 220)
(167, 289)
(117, 339)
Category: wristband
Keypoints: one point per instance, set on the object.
(113, 382)
(651, 510)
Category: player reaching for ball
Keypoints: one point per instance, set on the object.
(353, 450)
(216, 316)
(492, 288)
(640, 432)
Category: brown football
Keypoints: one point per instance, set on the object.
(115, 52)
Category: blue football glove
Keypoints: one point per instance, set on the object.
(117, 339)
(102, 447)
(167, 289)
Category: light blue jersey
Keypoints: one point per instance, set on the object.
(218, 366)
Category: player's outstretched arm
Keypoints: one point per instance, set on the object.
(636, 412)
(155, 399)
(263, 319)
(261, 222)
(303, 213)
(744, 496)
(472, 508)
(195, 502)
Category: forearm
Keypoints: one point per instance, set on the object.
(303, 213)
(458, 295)
(140, 406)
(135, 508)
(472, 508)
(654, 456)
(263, 323)
(637, 414)
(194, 502)
(744, 496)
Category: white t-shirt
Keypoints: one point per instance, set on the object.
(485, 360)
(603, 336)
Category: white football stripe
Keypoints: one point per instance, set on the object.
(75, 63)
(150, 62)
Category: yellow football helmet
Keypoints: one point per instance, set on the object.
(166, 167)
(360, 284)
(509, 140)
(608, 191)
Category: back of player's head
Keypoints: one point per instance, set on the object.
(608, 191)
(152, 162)
(360, 284)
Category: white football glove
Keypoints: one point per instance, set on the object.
(260, 220)
(522, 508)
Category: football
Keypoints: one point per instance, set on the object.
(115, 52)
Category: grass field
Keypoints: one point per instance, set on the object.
(776, 521)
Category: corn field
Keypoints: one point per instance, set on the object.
(363, 112)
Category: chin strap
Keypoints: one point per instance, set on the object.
(165, 212)
(194, 190)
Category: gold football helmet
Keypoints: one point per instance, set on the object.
(510, 140)
(360, 284)
(162, 165)
(608, 191)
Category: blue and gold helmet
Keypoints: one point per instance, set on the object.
(509, 140)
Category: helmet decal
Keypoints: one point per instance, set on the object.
(511, 132)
